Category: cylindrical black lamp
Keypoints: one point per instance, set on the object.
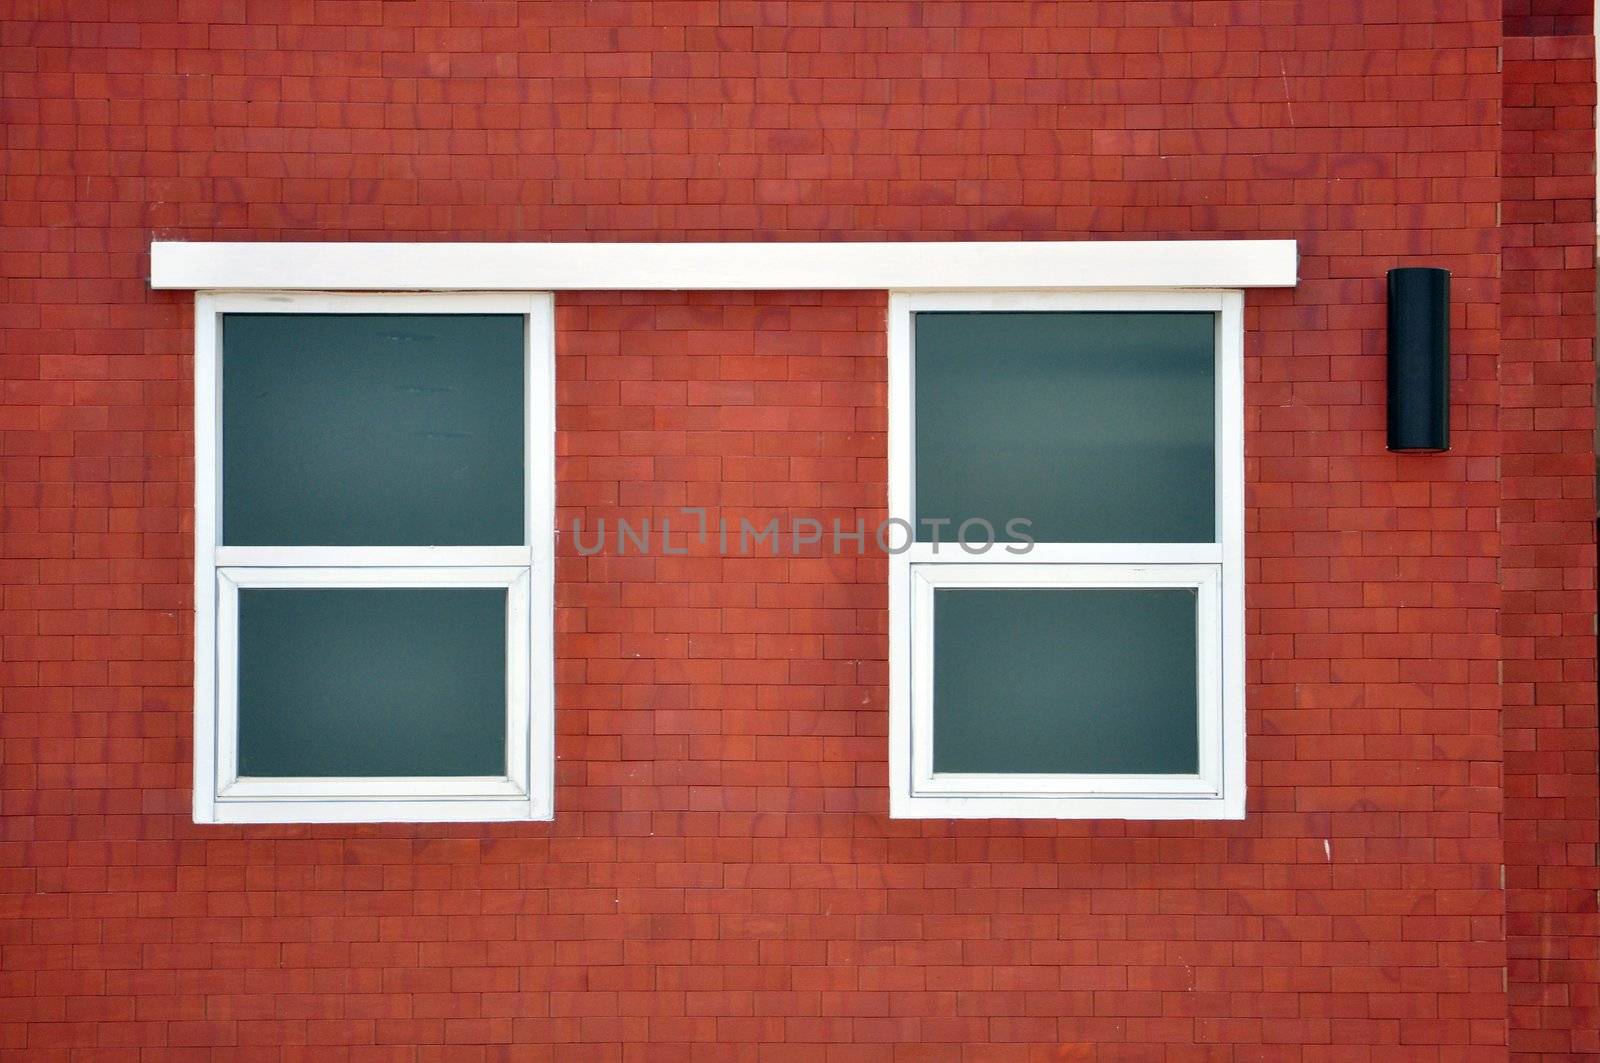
(1419, 360)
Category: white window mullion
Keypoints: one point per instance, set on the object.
(1006, 552)
(389, 556)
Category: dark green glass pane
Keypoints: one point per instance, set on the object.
(372, 681)
(1098, 427)
(372, 429)
(1071, 680)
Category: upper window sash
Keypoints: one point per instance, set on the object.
(1228, 435)
(538, 424)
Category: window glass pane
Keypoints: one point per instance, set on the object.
(372, 429)
(1071, 680)
(372, 681)
(1098, 427)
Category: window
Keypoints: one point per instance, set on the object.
(374, 505)
(1095, 671)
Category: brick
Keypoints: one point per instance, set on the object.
(721, 881)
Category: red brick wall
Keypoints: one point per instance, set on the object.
(1538, 18)
(1547, 519)
(721, 882)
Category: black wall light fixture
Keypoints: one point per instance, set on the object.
(1419, 360)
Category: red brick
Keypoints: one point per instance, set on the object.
(721, 881)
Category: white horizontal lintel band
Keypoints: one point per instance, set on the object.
(903, 266)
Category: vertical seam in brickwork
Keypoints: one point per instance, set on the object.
(1548, 521)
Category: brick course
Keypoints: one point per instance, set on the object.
(721, 881)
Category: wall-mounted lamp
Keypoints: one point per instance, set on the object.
(1419, 360)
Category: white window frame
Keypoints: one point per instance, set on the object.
(1214, 570)
(526, 791)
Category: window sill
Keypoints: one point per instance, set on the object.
(388, 810)
(1056, 806)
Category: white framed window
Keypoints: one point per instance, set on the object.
(374, 515)
(1090, 662)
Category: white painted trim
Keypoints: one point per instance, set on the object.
(394, 302)
(376, 576)
(329, 810)
(1230, 532)
(1167, 806)
(739, 266)
(207, 494)
(1217, 569)
(1125, 301)
(431, 556)
(396, 788)
(527, 572)
(1061, 553)
(540, 450)
(902, 441)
